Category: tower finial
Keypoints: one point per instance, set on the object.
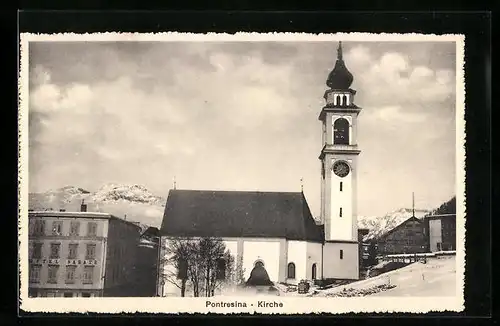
(175, 183)
(340, 77)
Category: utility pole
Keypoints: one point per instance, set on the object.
(413, 203)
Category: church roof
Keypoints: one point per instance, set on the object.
(199, 213)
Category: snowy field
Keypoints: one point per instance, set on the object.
(435, 278)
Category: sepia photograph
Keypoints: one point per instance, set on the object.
(270, 173)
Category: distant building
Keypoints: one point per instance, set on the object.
(441, 232)
(83, 254)
(408, 237)
(147, 259)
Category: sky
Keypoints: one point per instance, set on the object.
(240, 116)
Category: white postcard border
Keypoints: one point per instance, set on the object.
(291, 305)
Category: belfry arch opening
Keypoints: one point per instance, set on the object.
(341, 131)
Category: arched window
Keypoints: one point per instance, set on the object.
(221, 269)
(291, 270)
(182, 269)
(344, 102)
(313, 271)
(341, 131)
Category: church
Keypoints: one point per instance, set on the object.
(276, 230)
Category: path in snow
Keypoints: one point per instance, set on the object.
(436, 278)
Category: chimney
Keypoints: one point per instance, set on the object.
(83, 206)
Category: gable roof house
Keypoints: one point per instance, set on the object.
(407, 237)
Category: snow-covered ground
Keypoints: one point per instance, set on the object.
(437, 277)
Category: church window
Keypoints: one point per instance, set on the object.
(313, 272)
(221, 269)
(341, 254)
(340, 185)
(182, 269)
(340, 212)
(291, 270)
(341, 132)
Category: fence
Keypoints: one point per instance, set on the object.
(412, 258)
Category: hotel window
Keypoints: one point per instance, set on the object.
(341, 185)
(57, 228)
(37, 251)
(85, 295)
(72, 250)
(90, 254)
(39, 227)
(88, 274)
(35, 273)
(68, 294)
(53, 269)
(340, 212)
(91, 229)
(341, 254)
(291, 270)
(74, 228)
(55, 249)
(70, 274)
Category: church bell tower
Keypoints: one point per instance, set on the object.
(339, 155)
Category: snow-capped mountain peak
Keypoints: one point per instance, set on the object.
(133, 202)
(120, 192)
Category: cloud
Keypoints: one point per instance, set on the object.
(392, 80)
(233, 116)
(395, 114)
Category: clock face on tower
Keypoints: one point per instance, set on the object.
(341, 168)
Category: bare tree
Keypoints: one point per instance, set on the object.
(239, 272)
(205, 263)
(222, 273)
(177, 253)
(214, 259)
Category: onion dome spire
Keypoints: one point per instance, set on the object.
(339, 77)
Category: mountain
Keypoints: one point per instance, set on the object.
(449, 207)
(132, 202)
(379, 225)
